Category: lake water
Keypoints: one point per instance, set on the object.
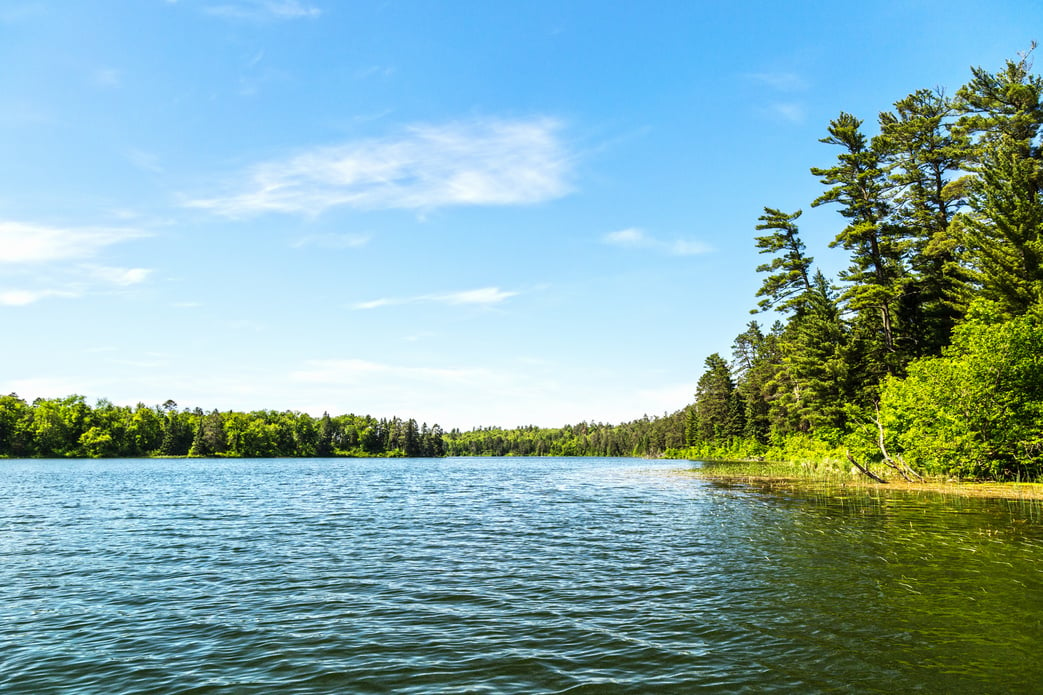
(502, 576)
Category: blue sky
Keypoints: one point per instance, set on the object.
(470, 213)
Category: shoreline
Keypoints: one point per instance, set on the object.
(990, 490)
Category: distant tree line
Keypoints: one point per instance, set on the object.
(925, 354)
(649, 437)
(70, 427)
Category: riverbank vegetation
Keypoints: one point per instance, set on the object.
(925, 355)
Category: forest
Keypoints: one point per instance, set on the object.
(71, 427)
(923, 356)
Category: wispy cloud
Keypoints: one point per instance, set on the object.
(788, 111)
(57, 262)
(779, 81)
(259, 10)
(484, 296)
(788, 83)
(635, 238)
(25, 297)
(146, 161)
(374, 71)
(121, 277)
(481, 162)
(107, 78)
(350, 371)
(332, 241)
(30, 243)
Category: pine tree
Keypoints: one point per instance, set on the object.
(718, 413)
(1003, 111)
(755, 361)
(859, 186)
(817, 362)
(782, 290)
(923, 155)
(1004, 230)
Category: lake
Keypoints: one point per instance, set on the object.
(502, 576)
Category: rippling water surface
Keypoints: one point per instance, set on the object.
(502, 576)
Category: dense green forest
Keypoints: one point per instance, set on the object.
(924, 355)
(70, 427)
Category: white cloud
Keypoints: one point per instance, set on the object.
(519, 392)
(627, 237)
(265, 10)
(352, 371)
(29, 243)
(665, 399)
(122, 277)
(146, 161)
(46, 387)
(632, 237)
(107, 78)
(788, 111)
(374, 71)
(682, 247)
(484, 296)
(450, 395)
(377, 303)
(482, 162)
(26, 297)
(780, 81)
(332, 241)
(51, 261)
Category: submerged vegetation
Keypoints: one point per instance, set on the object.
(923, 357)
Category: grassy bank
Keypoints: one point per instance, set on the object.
(829, 475)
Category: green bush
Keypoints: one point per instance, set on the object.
(976, 411)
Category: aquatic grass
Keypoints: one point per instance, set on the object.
(830, 474)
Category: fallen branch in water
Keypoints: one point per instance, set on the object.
(870, 474)
(896, 462)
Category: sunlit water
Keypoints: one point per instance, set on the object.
(502, 576)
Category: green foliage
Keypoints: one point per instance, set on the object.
(789, 268)
(718, 410)
(977, 411)
(1004, 230)
(858, 184)
(643, 437)
(944, 204)
(923, 153)
(69, 427)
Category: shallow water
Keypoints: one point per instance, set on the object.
(502, 576)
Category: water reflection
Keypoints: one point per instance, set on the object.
(903, 589)
(506, 576)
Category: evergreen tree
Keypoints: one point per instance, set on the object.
(1004, 105)
(859, 186)
(923, 154)
(718, 412)
(324, 449)
(816, 361)
(1004, 229)
(754, 363)
(199, 446)
(783, 289)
